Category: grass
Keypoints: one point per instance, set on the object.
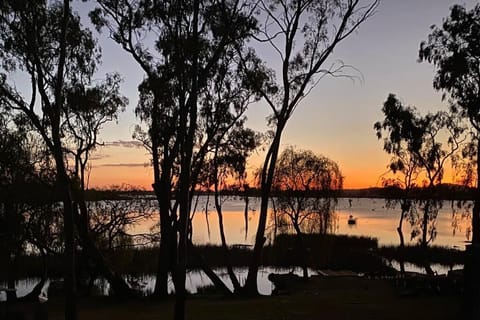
(322, 298)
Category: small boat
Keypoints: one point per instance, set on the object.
(352, 220)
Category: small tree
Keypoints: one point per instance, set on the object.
(454, 49)
(416, 143)
(16, 170)
(304, 184)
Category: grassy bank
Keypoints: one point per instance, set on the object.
(322, 298)
(337, 252)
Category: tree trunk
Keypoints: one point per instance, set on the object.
(163, 267)
(69, 253)
(426, 211)
(400, 235)
(188, 127)
(11, 248)
(62, 178)
(64, 185)
(476, 207)
(302, 249)
(162, 189)
(245, 215)
(226, 252)
(268, 171)
(217, 282)
(471, 271)
(402, 247)
(424, 244)
(181, 267)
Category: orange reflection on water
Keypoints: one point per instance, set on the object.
(374, 219)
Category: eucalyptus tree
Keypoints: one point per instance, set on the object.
(303, 34)
(228, 162)
(29, 220)
(223, 141)
(16, 168)
(418, 139)
(186, 44)
(45, 42)
(305, 185)
(89, 106)
(454, 50)
(406, 171)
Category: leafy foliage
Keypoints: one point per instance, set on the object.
(304, 183)
(454, 49)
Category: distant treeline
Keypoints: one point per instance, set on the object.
(443, 191)
(32, 192)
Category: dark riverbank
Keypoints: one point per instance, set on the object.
(443, 191)
(332, 298)
(336, 252)
(47, 193)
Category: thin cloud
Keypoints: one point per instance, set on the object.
(95, 156)
(99, 156)
(124, 144)
(124, 165)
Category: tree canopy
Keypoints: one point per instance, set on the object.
(454, 49)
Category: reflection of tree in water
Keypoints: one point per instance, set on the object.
(461, 211)
(315, 216)
(461, 214)
(424, 221)
(423, 143)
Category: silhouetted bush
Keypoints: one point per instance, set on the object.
(329, 252)
(418, 255)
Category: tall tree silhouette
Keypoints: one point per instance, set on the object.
(45, 40)
(406, 171)
(304, 34)
(454, 49)
(16, 170)
(193, 40)
(227, 162)
(418, 139)
(88, 108)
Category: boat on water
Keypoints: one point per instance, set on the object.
(352, 220)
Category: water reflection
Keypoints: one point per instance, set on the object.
(374, 219)
(196, 280)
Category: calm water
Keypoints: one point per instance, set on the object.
(374, 219)
(195, 280)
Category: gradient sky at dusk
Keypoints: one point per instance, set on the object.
(336, 119)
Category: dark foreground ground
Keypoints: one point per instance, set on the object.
(322, 298)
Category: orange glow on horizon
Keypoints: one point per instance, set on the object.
(103, 177)
(131, 167)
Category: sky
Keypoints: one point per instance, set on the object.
(335, 120)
